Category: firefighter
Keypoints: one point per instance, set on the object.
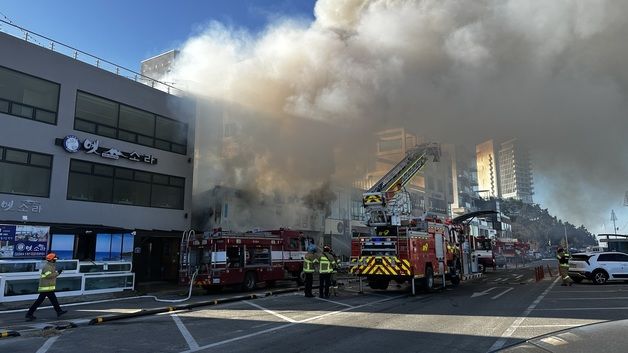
(47, 286)
(563, 267)
(309, 267)
(325, 268)
(335, 265)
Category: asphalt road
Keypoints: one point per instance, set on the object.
(504, 307)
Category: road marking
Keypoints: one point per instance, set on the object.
(270, 311)
(580, 308)
(500, 342)
(184, 332)
(284, 326)
(600, 298)
(502, 293)
(557, 325)
(517, 277)
(498, 279)
(479, 294)
(335, 302)
(72, 304)
(47, 344)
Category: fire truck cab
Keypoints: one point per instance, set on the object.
(424, 250)
(222, 258)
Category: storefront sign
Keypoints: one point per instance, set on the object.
(24, 206)
(73, 144)
(23, 241)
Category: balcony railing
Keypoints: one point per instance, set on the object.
(51, 44)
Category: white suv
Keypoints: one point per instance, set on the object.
(599, 267)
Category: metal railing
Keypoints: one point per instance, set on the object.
(56, 46)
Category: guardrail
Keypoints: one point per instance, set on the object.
(56, 46)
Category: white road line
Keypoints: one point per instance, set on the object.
(500, 342)
(498, 279)
(72, 304)
(287, 325)
(557, 325)
(502, 293)
(270, 311)
(47, 344)
(335, 302)
(580, 308)
(184, 332)
(517, 277)
(601, 298)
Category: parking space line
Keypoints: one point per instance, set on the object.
(184, 332)
(502, 293)
(284, 326)
(557, 325)
(47, 344)
(270, 311)
(513, 327)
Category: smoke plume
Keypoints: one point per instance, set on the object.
(307, 96)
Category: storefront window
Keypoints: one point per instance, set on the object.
(63, 246)
(114, 247)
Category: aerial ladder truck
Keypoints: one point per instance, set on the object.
(402, 248)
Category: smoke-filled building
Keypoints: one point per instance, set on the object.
(93, 166)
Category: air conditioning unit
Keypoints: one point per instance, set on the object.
(334, 226)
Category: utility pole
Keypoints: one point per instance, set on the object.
(614, 218)
(566, 242)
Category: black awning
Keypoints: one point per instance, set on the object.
(470, 215)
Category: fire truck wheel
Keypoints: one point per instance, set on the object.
(249, 281)
(428, 283)
(300, 276)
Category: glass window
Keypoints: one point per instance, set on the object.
(116, 247)
(167, 197)
(24, 180)
(104, 170)
(16, 156)
(103, 247)
(127, 136)
(21, 110)
(605, 257)
(89, 188)
(142, 176)
(78, 166)
(137, 121)
(85, 126)
(41, 160)
(96, 109)
(127, 247)
(4, 106)
(28, 90)
(128, 192)
(95, 283)
(124, 173)
(389, 145)
(146, 141)
(160, 179)
(171, 131)
(63, 246)
(45, 116)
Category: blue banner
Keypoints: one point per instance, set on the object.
(7, 232)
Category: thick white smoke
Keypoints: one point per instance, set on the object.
(551, 73)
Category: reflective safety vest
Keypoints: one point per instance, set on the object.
(308, 263)
(325, 265)
(48, 278)
(563, 260)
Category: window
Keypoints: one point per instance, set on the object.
(28, 96)
(24, 172)
(103, 183)
(114, 247)
(390, 145)
(605, 257)
(104, 117)
(63, 246)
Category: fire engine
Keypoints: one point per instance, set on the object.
(223, 258)
(402, 248)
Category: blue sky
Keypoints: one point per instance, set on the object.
(127, 32)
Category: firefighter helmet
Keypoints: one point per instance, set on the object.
(51, 256)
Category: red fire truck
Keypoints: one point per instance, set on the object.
(245, 259)
(403, 248)
(424, 250)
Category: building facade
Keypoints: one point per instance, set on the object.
(100, 162)
(515, 171)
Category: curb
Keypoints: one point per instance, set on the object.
(471, 276)
(4, 334)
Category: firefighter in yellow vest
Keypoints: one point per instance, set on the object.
(563, 267)
(47, 286)
(326, 263)
(309, 267)
(335, 265)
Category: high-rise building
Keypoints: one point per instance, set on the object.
(504, 170)
(488, 172)
(515, 171)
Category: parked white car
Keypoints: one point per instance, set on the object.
(599, 267)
